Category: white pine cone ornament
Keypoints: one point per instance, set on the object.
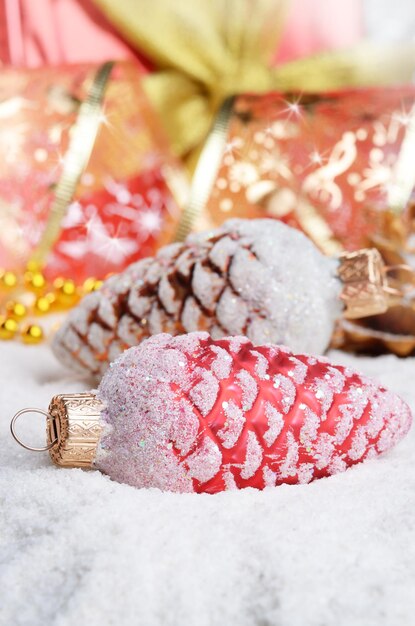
(258, 278)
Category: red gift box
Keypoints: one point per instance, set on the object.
(82, 221)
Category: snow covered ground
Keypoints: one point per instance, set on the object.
(76, 548)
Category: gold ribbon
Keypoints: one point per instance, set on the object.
(399, 188)
(207, 50)
(83, 135)
(206, 171)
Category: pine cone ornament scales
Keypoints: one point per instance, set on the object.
(190, 414)
(259, 278)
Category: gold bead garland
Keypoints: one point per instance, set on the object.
(31, 295)
(31, 333)
(8, 280)
(26, 296)
(8, 327)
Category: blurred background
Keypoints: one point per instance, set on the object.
(46, 31)
(107, 107)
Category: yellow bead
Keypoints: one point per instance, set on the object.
(68, 287)
(37, 280)
(16, 309)
(91, 284)
(8, 328)
(50, 297)
(33, 266)
(32, 333)
(8, 280)
(66, 291)
(58, 282)
(42, 304)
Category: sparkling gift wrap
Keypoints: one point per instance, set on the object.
(87, 182)
(339, 166)
(331, 164)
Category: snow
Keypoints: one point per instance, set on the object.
(76, 547)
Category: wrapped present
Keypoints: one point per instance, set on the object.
(87, 184)
(56, 32)
(193, 71)
(339, 166)
(202, 52)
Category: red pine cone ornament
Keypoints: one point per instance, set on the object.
(259, 278)
(191, 414)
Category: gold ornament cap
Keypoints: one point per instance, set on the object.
(365, 286)
(74, 425)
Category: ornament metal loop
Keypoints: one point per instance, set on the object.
(19, 441)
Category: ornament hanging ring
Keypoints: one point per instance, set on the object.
(19, 441)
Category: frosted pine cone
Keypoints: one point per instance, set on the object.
(192, 414)
(259, 278)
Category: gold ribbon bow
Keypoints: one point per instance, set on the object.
(207, 50)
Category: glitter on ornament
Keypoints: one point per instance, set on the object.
(233, 425)
(275, 423)
(249, 389)
(258, 278)
(154, 433)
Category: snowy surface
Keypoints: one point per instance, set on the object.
(77, 548)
